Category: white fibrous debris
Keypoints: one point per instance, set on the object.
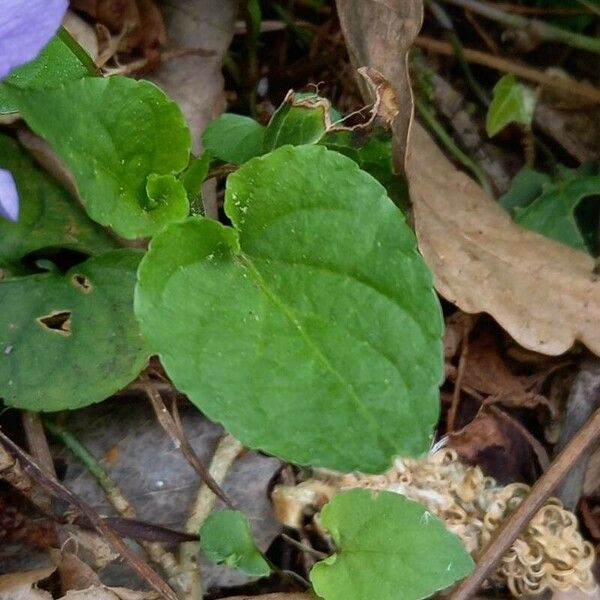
(550, 554)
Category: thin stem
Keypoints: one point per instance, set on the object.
(55, 487)
(544, 31)
(576, 450)
(564, 84)
(113, 494)
(429, 118)
(303, 548)
(444, 20)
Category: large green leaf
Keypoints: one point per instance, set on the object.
(513, 102)
(388, 548)
(234, 138)
(60, 61)
(226, 538)
(48, 218)
(553, 212)
(311, 329)
(124, 141)
(70, 340)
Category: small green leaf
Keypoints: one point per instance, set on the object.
(372, 151)
(513, 102)
(226, 538)
(69, 340)
(60, 61)
(233, 138)
(526, 186)
(301, 119)
(119, 137)
(388, 547)
(48, 217)
(314, 332)
(193, 177)
(553, 213)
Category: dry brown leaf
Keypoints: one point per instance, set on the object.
(74, 573)
(379, 34)
(139, 21)
(22, 585)
(496, 445)
(101, 592)
(544, 294)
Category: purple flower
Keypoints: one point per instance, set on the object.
(9, 199)
(26, 26)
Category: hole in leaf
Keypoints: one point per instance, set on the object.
(82, 282)
(58, 321)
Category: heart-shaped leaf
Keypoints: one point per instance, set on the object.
(48, 218)
(388, 547)
(116, 135)
(226, 538)
(70, 340)
(310, 329)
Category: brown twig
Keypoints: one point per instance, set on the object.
(577, 448)
(227, 451)
(564, 84)
(138, 65)
(180, 440)
(462, 363)
(56, 488)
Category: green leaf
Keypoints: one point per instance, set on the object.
(301, 119)
(372, 151)
(193, 177)
(525, 187)
(48, 217)
(69, 340)
(60, 61)
(234, 138)
(314, 332)
(388, 547)
(226, 538)
(114, 134)
(513, 102)
(553, 213)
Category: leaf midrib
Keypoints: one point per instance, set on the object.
(279, 303)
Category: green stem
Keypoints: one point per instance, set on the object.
(544, 31)
(82, 453)
(431, 121)
(445, 22)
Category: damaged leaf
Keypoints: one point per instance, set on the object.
(315, 326)
(48, 218)
(410, 549)
(301, 119)
(70, 340)
(125, 136)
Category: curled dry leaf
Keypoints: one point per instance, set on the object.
(380, 32)
(23, 585)
(544, 294)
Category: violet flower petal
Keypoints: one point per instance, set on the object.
(26, 26)
(9, 198)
